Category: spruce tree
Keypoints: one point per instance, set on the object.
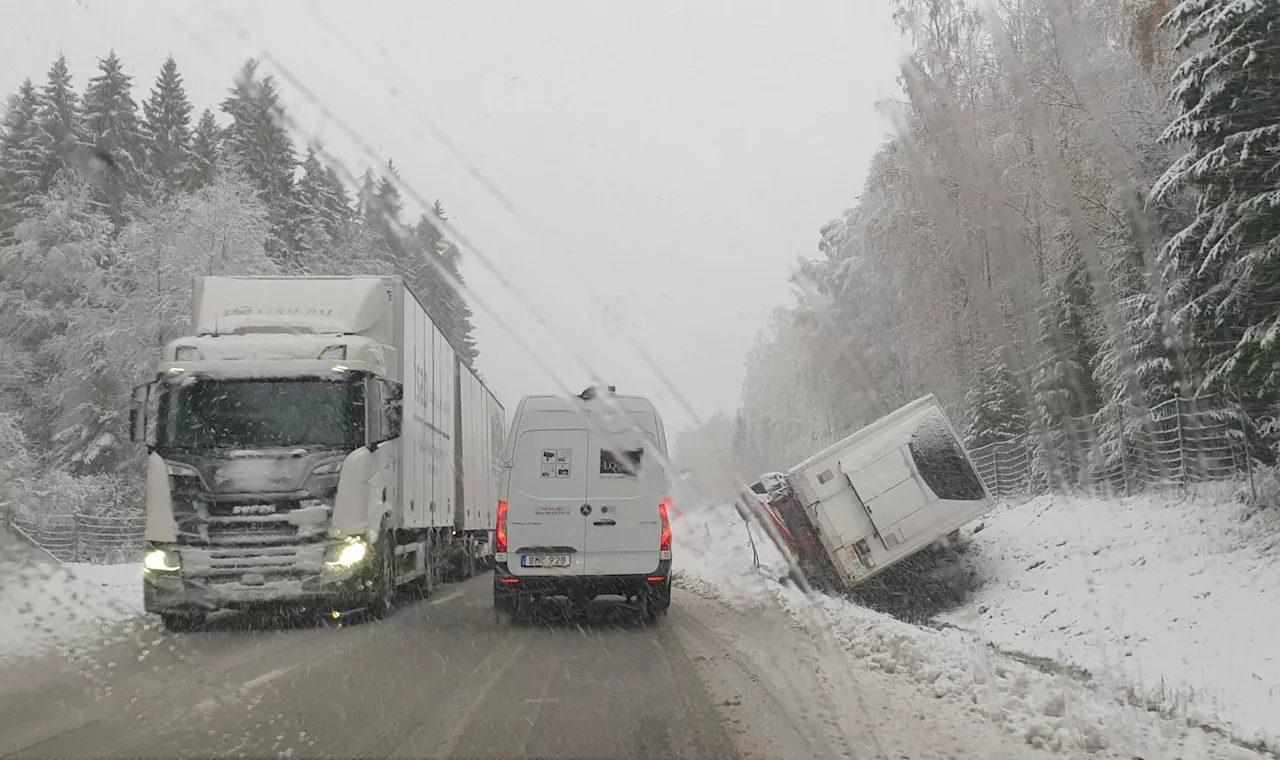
(445, 303)
(111, 125)
(313, 237)
(997, 411)
(206, 152)
(22, 155)
(59, 124)
(1225, 265)
(168, 125)
(261, 147)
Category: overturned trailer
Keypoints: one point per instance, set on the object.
(885, 493)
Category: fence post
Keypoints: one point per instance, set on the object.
(1248, 459)
(1124, 450)
(1182, 443)
(1031, 465)
(995, 468)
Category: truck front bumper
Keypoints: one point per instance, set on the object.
(204, 584)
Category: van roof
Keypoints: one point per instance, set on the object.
(550, 403)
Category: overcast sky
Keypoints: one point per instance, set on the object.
(636, 171)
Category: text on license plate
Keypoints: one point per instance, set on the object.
(544, 560)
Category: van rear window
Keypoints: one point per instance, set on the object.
(627, 464)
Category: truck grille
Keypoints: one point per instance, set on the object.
(251, 523)
(271, 562)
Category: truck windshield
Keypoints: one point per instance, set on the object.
(215, 413)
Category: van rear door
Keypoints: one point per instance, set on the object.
(624, 489)
(548, 488)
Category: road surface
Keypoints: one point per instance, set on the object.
(443, 678)
(438, 678)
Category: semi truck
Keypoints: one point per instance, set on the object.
(898, 486)
(315, 442)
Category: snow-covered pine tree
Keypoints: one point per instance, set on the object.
(1134, 372)
(997, 411)
(260, 146)
(22, 155)
(323, 198)
(206, 152)
(1225, 266)
(111, 125)
(446, 304)
(314, 229)
(1065, 392)
(49, 275)
(60, 124)
(168, 126)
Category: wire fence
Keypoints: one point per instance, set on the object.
(1176, 443)
(81, 537)
(1179, 442)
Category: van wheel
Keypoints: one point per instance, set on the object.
(657, 600)
(505, 608)
(384, 583)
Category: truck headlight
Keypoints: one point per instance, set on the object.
(350, 553)
(162, 561)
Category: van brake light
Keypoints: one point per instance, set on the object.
(666, 525)
(500, 534)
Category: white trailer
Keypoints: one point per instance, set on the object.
(481, 428)
(883, 494)
(303, 450)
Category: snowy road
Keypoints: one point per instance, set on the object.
(442, 678)
(738, 668)
(438, 678)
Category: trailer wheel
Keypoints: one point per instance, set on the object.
(384, 583)
(425, 584)
(181, 622)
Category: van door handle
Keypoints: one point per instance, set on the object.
(604, 522)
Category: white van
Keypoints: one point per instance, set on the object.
(583, 503)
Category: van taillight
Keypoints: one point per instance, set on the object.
(500, 540)
(666, 525)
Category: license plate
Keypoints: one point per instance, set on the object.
(544, 560)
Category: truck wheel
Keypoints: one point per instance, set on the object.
(384, 583)
(181, 622)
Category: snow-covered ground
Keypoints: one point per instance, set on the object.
(46, 606)
(1047, 710)
(1174, 599)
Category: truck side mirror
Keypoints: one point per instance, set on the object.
(138, 413)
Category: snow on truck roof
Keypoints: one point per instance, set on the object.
(317, 305)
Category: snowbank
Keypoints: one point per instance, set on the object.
(1049, 711)
(46, 606)
(1176, 600)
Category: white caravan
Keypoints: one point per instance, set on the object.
(884, 493)
(584, 503)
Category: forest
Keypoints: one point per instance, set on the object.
(108, 208)
(1076, 220)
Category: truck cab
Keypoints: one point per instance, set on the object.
(271, 470)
